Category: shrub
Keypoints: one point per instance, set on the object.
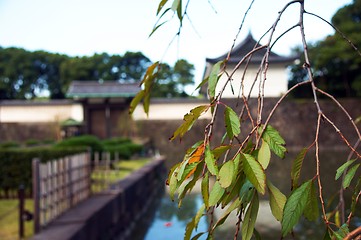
(16, 164)
(9, 144)
(82, 141)
(32, 142)
(116, 141)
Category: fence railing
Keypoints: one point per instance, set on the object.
(59, 185)
(105, 170)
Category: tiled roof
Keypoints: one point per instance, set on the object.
(102, 89)
(247, 45)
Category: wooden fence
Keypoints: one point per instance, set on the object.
(105, 171)
(59, 185)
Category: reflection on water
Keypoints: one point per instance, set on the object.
(170, 221)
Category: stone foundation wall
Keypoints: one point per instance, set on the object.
(123, 212)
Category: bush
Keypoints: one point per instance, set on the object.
(123, 146)
(16, 164)
(32, 142)
(9, 144)
(116, 141)
(82, 141)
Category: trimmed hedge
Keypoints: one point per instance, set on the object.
(16, 164)
(80, 141)
(9, 144)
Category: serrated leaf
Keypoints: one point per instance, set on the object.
(233, 125)
(295, 206)
(297, 166)
(205, 190)
(250, 218)
(254, 172)
(189, 119)
(210, 161)
(343, 168)
(226, 174)
(274, 140)
(349, 176)
(161, 5)
(213, 79)
(264, 155)
(311, 210)
(277, 201)
(218, 151)
(215, 194)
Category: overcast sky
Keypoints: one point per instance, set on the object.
(85, 27)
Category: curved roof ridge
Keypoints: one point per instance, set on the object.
(244, 47)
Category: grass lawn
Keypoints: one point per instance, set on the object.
(101, 178)
(9, 218)
(9, 208)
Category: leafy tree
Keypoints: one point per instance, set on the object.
(171, 82)
(335, 65)
(238, 163)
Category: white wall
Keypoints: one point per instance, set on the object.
(167, 111)
(276, 83)
(40, 113)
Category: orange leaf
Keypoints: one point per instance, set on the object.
(195, 158)
(197, 155)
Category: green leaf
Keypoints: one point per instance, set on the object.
(349, 176)
(216, 194)
(342, 232)
(204, 81)
(327, 235)
(198, 216)
(189, 119)
(343, 168)
(226, 174)
(175, 5)
(189, 229)
(205, 190)
(196, 237)
(135, 101)
(233, 126)
(236, 203)
(213, 79)
(277, 201)
(254, 173)
(173, 182)
(355, 194)
(218, 151)
(210, 161)
(161, 5)
(274, 140)
(295, 206)
(264, 155)
(250, 218)
(296, 167)
(311, 210)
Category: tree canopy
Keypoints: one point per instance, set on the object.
(336, 64)
(26, 75)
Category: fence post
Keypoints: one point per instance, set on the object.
(36, 194)
(21, 196)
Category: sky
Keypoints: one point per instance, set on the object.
(85, 27)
